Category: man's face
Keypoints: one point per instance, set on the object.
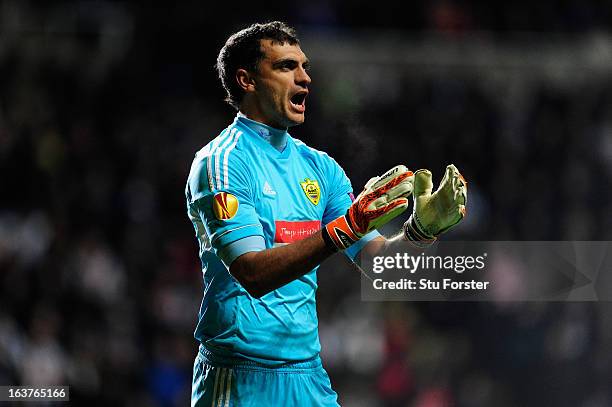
(281, 85)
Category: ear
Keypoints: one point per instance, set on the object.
(245, 80)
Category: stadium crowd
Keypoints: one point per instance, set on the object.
(102, 106)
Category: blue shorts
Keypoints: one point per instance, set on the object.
(224, 382)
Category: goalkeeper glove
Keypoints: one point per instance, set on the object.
(382, 199)
(434, 214)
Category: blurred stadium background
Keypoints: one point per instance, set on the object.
(103, 104)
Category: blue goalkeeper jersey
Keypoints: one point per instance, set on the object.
(241, 186)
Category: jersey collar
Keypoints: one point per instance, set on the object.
(275, 137)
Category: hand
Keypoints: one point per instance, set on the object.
(382, 199)
(434, 214)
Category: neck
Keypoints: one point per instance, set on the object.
(252, 110)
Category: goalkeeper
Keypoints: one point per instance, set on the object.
(267, 210)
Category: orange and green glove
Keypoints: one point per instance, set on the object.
(382, 199)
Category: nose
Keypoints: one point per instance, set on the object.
(302, 78)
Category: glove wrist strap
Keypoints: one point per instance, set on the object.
(413, 232)
(340, 233)
(328, 240)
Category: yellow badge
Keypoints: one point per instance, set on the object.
(312, 190)
(225, 205)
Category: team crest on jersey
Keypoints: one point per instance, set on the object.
(225, 205)
(312, 190)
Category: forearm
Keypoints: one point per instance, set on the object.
(264, 271)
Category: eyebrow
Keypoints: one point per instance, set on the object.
(289, 61)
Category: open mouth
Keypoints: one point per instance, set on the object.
(298, 101)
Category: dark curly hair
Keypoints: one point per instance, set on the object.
(243, 50)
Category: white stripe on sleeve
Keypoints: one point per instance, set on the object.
(226, 159)
(214, 145)
(218, 157)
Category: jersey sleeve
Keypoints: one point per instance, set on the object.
(220, 189)
(340, 192)
(233, 250)
(353, 250)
